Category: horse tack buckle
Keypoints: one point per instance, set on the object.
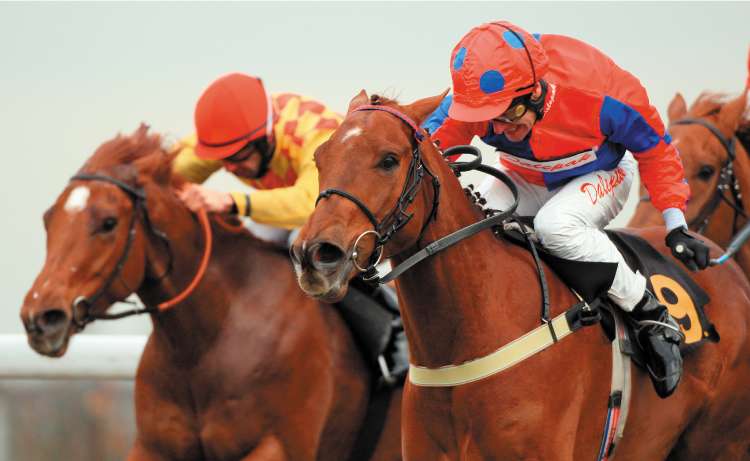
(355, 253)
(385, 371)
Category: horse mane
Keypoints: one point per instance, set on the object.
(380, 100)
(708, 104)
(125, 156)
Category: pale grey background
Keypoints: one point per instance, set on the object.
(73, 75)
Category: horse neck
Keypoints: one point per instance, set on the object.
(467, 300)
(191, 327)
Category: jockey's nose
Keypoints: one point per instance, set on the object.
(498, 127)
(325, 256)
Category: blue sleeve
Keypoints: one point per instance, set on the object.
(624, 125)
(436, 119)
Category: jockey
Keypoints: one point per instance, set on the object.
(571, 127)
(266, 141)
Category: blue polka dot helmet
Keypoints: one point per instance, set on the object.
(491, 65)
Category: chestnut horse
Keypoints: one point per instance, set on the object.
(470, 299)
(709, 137)
(245, 367)
(713, 137)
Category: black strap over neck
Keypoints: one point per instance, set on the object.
(728, 143)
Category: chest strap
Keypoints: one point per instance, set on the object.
(514, 352)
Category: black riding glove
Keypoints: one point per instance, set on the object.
(688, 249)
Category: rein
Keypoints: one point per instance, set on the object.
(137, 196)
(727, 181)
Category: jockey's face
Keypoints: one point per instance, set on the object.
(516, 130)
(245, 163)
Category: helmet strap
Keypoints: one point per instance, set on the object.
(537, 104)
(266, 152)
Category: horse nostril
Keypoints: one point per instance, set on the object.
(52, 320)
(324, 255)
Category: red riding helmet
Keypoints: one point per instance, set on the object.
(491, 65)
(231, 112)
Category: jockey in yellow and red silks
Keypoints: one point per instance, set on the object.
(266, 141)
(572, 128)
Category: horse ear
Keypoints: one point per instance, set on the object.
(421, 109)
(360, 100)
(677, 108)
(731, 113)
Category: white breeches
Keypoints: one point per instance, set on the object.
(569, 220)
(277, 235)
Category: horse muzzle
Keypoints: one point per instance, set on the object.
(323, 269)
(48, 330)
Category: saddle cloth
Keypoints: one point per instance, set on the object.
(671, 284)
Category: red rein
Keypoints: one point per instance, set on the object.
(206, 226)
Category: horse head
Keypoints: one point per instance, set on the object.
(378, 193)
(703, 135)
(98, 239)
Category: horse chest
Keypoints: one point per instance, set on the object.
(220, 429)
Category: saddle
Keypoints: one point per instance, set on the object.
(374, 318)
(671, 284)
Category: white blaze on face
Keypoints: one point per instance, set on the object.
(356, 131)
(77, 199)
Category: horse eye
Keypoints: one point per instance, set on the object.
(705, 173)
(108, 224)
(388, 162)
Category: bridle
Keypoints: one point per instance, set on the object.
(727, 181)
(398, 217)
(82, 305)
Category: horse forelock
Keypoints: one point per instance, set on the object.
(708, 104)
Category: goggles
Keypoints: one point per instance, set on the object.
(517, 109)
(241, 155)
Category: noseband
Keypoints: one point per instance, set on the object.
(82, 305)
(727, 181)
(398, 217)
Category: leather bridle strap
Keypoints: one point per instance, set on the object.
(727, 178)
(138, 197)
(461, 234)
(328, 192)
(398, 217)
(727, 143)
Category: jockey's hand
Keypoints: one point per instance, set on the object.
(197, 197)
(688, 249)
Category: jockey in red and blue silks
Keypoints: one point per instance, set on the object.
(572, 128)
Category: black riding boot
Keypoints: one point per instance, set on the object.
(660, 336)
